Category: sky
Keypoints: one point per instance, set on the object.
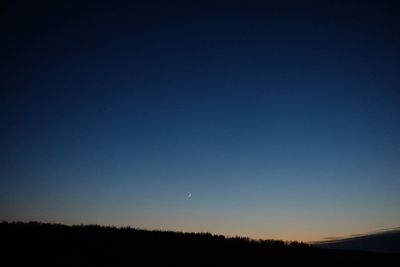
(267, 119)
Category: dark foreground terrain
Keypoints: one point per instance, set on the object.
(39, 244)
(385, 241)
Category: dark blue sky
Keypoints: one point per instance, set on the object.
(281, 118)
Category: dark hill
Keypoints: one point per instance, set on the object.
(38, 244)
(385, 241)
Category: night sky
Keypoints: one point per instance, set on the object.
(268, 119)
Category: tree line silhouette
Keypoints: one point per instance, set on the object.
(41, 244)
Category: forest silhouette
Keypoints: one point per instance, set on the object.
(46, 244)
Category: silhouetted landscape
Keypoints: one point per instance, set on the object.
(386, 241)
(56, 244)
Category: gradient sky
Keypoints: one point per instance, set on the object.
(282, 119)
